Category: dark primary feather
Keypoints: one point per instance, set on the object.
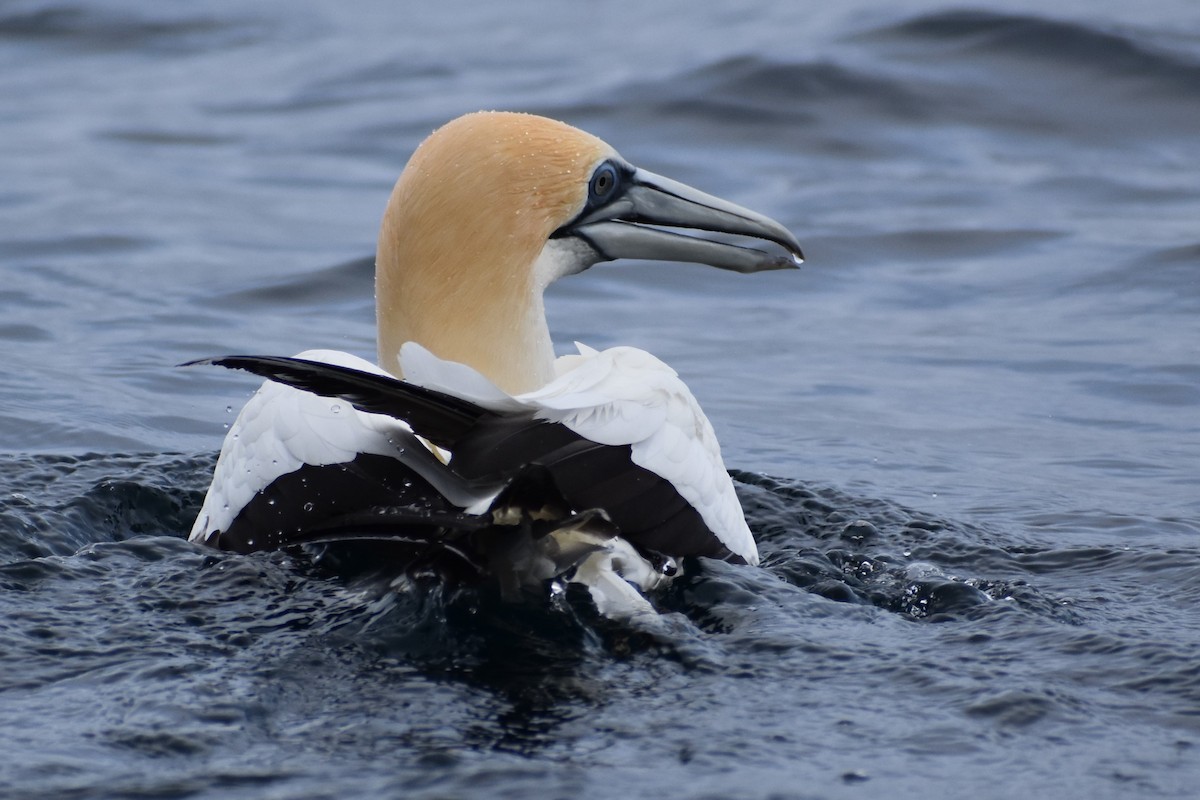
(439, 417)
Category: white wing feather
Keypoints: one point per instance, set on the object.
(423, 368)
(620, 396)
(281, 429)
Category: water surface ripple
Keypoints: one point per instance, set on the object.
(966, 434)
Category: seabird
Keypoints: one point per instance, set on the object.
(469, 448)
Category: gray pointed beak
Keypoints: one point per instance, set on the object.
(626, 228)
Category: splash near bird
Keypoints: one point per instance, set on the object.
(470, 449)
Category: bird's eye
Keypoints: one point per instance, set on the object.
(604, 183)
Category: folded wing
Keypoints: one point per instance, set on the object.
(617, 431)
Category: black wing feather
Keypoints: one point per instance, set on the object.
(439, 417)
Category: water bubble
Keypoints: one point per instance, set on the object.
(922, 570)
(336, 408)
(307, 506)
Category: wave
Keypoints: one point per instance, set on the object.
(1023, 36)
(997, 72)
(57, 504)
(754, 89)
(844, 548)
(348, 282)
(91, 28)
(774, 90)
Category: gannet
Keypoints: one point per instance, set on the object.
(469, 443)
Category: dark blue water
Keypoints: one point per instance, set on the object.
(967, 433)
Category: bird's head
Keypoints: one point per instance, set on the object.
(495, 206)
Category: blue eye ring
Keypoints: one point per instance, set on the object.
(604, 183)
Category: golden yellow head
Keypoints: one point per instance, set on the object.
(466, 221)
(520, 175)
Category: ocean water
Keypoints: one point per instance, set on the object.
(966, 433)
